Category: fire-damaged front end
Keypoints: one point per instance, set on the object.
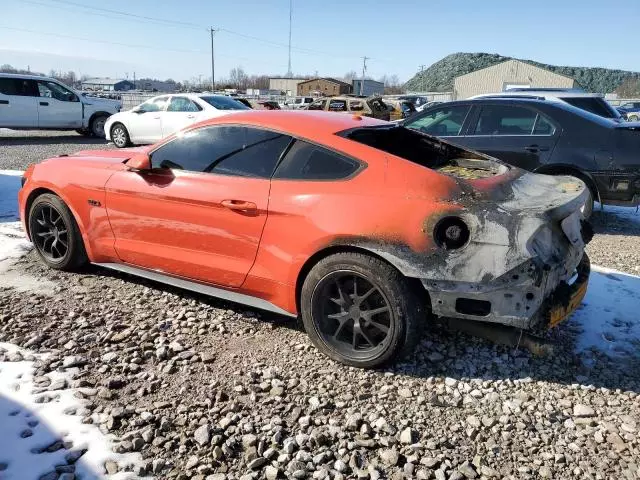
(523, 264)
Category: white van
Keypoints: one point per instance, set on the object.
(31, 102)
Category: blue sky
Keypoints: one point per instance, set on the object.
(329, 36)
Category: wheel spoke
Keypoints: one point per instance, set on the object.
(342, 299)
(338, 316)
(370, 313)
(366, 295)
(383, 328)
(44, 234)
(63, 243)
(62, 232)
(354, 339)
(53, 247)
(366, 337)
(339, 329)
(44, 244)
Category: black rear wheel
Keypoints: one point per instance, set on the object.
(360, 310)
(55, 234)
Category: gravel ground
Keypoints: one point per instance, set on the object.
(18, 149)
(208, 390)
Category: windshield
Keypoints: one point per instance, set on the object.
(224, 103)
(595, 105)
(408, 144)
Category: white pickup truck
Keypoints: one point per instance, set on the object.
(31, 102)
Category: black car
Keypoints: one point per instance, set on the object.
(545, 137)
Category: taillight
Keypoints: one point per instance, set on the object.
(451, 233)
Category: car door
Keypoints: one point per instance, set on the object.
(58, 107)
(145, 122)
(181, 112)
(200, 211)
(514, 134)
(18, 102)
(444, 121)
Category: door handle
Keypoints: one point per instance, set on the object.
(536, 148)
(191, 116)
(44, 104)
(239, 205)
(4, 102)
(156, 118)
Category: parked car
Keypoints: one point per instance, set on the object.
(269, 105)
(630, 111)
(399, 109)
(591, 102)
(368, 106)
(415, 100)
(298, 103)
(245, 101)
(31, 102)
(244, 207)
(164, 115)
(545, 137)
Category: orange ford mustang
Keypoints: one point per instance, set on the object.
(364, 228)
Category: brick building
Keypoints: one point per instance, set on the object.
(323, 86)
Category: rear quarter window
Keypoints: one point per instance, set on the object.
(306, 161)
(595, 105)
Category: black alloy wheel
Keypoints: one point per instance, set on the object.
(49, 232)
(360, 310)
(55, 234)
(353, 316)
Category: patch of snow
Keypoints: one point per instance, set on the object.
(609, 314)
(22, 412)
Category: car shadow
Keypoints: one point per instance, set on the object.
(30, 449)
(9, 185)
(611, 220)
(481, 359)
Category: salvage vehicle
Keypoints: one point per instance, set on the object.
(545, 137)
(630, 111)
(298, 103)
(365, 228)
(365, 106)
(32, 102)
(164, 115)
(399, 109)
(591, 102)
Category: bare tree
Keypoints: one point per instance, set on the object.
(238, 78)
(630, 88)
(350, 76)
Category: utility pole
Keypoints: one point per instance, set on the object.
(289, 72)
(213, 63)
(422, 78)
(134, 80)
(364, 69)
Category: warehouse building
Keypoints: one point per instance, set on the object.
(367, 87)
(287, 85)
(107, 85)
(323, 86)
(509, 74)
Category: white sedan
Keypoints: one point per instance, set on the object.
(162, 116)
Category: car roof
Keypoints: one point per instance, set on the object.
(25, 76)
(547, 93)
(530, 101)
(302, 123)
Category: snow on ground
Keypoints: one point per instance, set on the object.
(609, 314)
(33, 418)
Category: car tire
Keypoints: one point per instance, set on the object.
(97, 126)
(120, 135)
(55, 233)
(633, 118)
(587, 210)
(360, 311)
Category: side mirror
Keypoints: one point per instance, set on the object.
(139, 162)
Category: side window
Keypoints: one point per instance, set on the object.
(19, 87)
(239, 151)
(505, 120)
(543, 126)
(337, 105)
(317, 105)
(443, 121)
(56, 91)
(182, 104)
(356, 105)
(306, 161)
(155, 105)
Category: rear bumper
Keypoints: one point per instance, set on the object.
(524, 298)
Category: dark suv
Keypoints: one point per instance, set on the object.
(545, 137)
